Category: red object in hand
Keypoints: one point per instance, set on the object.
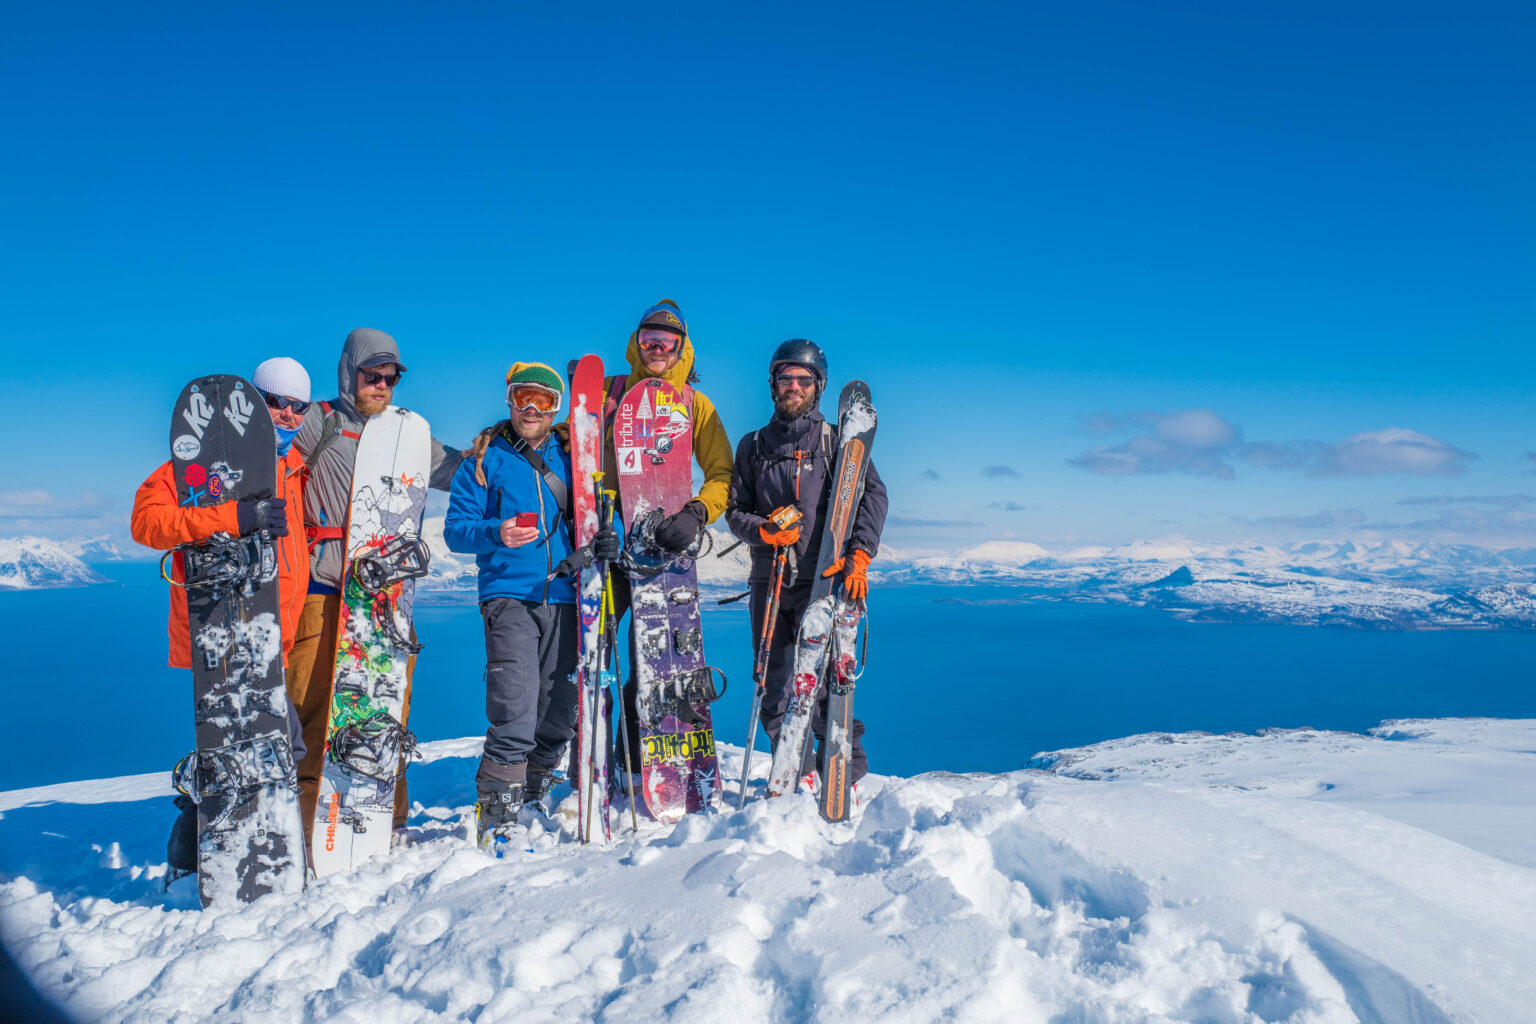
(526, 519)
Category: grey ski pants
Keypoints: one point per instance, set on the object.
(781, 666)
(530, 698)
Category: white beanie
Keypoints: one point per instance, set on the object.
(282, 376)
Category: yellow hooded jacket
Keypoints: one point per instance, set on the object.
(711, 446)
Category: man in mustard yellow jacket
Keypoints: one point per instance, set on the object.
(661, 347)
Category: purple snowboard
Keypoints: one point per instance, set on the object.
(653, 443)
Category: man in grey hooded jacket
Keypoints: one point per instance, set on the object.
(369, 371)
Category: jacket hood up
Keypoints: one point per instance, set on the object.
(677, 376)
(363, 346)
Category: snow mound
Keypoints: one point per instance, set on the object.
(31, 563)
(1175, 877)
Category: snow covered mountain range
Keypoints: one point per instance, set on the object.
(30, 563)
(1296, 875)
(1389, 586)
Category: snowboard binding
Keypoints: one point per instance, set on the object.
(234, 771)
(680, 695)
(643, 556)
(375, 747)
(380, 570)
(397, 559)
(224, 564)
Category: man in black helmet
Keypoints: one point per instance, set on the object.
(787, 463)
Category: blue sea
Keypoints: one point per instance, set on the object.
(958, 678)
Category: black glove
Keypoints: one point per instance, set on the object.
(606, 544)
(679, 530)
(262, 513)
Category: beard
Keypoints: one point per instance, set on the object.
(534, 433)
(792, 406)
(370, 406)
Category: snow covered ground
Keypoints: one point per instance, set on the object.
(1291, 876)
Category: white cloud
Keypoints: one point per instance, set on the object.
(1193, 441)
(1372, 453)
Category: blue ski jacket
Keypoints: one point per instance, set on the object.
(476, 512)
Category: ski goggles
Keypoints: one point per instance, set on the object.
(371, 378)
(804, 381)
(533, 396)
(656, 340)
(284, 402)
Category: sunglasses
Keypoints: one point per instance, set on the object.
(804, 381)
(370, 378)
(284, 402)
(533, 396)
(660, 341)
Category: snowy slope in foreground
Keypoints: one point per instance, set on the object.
(1295, 876)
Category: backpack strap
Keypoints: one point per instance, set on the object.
(556, 485)
(328, 435)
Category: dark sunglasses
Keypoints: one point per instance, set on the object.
(284, 402)
(370, 378)
(804, 380)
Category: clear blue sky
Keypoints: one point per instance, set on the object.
(1112, 271)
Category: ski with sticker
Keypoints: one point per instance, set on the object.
(829, 624)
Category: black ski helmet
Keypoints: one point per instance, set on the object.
(805, 353)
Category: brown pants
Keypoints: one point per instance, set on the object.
(310, 664)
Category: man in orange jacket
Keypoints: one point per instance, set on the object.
(161, 522)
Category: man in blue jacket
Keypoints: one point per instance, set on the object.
(509, 505)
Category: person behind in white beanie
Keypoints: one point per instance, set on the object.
(160, 521)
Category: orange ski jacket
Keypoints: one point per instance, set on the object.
(160, 522)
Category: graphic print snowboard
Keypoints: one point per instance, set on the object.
(653, 445)
(364, 737)
(829, 619)
(589, 771)
(250, 832)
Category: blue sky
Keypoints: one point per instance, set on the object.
(1112, 271)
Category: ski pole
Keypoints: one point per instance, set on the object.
(608, 629)
(760, 672)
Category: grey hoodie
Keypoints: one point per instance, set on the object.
(328, 491)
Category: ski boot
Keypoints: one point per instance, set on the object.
(496, 823)
(181, 849)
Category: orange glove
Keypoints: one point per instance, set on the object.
(779, 538)
(856, 581)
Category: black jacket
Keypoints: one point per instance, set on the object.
(768, 474)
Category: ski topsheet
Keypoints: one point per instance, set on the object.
(589, 772)
(653, 446)
(820, 622)
(250, 832)
(364, 735)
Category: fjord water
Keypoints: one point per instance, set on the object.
(959, 678)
